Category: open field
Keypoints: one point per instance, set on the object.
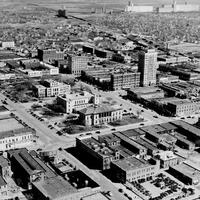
(9, 124)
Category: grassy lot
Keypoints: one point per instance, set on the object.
(71, 128)
(126, 120)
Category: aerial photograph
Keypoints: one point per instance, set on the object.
(99, 99)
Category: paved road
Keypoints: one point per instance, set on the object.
(46, 135)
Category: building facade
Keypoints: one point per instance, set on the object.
(49, 55)
(101, 154)
(50, 88)
(125, 80)
(183, 107)
(76, 64)
(77, 101)
(147, 66)
(132, 169)
(95, 115)
(16, 138)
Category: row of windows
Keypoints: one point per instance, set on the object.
(15, 139)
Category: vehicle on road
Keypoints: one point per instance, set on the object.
(113, 129)
(98, 132)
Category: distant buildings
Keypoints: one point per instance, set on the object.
(62, 13)
(101, 53)
(147, 66)
(49, 55)
(109, 79)
(138, 8)
(7, 44)
(49, 88)
(77, 101)
(99, 114)
(33, 68)
(174, 7)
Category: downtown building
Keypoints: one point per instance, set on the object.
(147, 66)
(77, 101)
(49, 55)
(99, 114)
(50, 88)
(75, 64)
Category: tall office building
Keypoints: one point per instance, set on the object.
(147, 67)
(76, 64)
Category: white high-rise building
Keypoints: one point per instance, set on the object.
(147, 67)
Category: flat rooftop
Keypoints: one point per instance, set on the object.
(98, 147)
(181, 101)
(97, 196)
(130, 163)
(187, 170)
(9, 124)
(108, 138)
(186, 127)
(168, 126)
(55, 188)
(132, 133)
(146, 144)
(130, 141)
(146, 90)
(27, 162)
(167, 155)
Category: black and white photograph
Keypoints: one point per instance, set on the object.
(99, 99)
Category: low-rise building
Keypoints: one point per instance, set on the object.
(130, 144)
(28, 167)
(77, 101)
(145, 93)
(100, 114)
(168, 159)
(132, 169)
(183, 107)
(101, 154)
(75, 186)
(49, 55)
(50, 88)
(186, 173)
(16, 138)
(191, 132)
(7, 44)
